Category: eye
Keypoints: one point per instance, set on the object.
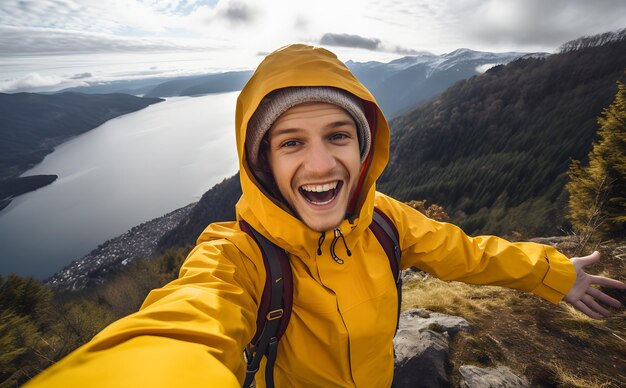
(289, 143)
(339, 136)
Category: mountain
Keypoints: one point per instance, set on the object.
(494, 149)
(209, 83)
(31, 125)
(171, 86)
(128, 86)
(410, 81)
(398, 85)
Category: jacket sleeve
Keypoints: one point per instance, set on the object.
(189, 333)
(447, 252)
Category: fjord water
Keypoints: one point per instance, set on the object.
(127, 171)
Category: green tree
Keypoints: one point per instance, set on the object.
(597, 203)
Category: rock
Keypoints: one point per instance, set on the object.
(410, 274)
(500, 377)
(423, 319)
(421, 353)
(421, 359)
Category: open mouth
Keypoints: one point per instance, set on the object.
(321, 194)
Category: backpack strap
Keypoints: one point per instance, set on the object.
(387, 235)
(274, 310)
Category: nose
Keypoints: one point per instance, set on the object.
(320, 158)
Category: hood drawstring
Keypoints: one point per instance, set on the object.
(320, 241)
(338, 235)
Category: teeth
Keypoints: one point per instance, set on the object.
(322, 203)
(320, 188)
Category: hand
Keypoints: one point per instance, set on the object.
(584, 297)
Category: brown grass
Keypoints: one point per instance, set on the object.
(453, 297)
(553, 346)
(568, 379)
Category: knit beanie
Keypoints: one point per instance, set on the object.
(278, 101)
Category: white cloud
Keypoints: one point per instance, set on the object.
(224, 34)
(30, 81)
(409, 24)
(538, 23)
(491, 25)
(29, 40)
(130, 18)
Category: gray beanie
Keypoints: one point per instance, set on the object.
(278, 101)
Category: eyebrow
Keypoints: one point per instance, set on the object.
(341, 123)
(332, 125)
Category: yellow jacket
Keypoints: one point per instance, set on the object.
(192, 331)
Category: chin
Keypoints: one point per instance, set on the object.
(322, 225)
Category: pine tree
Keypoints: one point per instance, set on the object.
(597, 203)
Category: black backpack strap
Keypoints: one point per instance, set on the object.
(274, 309)
(387, 235)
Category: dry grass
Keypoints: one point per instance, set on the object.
(553, 346)
(568, 379)
(453, 297)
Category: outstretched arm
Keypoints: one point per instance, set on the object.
(584, 297)
(191, 332)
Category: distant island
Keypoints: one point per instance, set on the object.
(11, 188)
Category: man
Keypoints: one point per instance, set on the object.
(311, 142)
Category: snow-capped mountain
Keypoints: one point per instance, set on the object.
(408, 82)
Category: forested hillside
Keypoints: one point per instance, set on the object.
(494, 149)
(217, 204)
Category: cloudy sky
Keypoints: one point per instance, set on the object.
(50, 44)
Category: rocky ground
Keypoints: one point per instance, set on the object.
(422, 353)
(139, 242)
(457, 335)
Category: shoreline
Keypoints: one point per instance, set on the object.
(14, 187)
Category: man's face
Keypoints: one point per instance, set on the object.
(314, 157)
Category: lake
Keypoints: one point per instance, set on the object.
(127, 171)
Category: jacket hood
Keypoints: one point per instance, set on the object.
(303, 65)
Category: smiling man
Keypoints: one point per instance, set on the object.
(311, 142)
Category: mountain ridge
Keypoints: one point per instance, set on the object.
(410, 81)
(420, 77)
(494, 149)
